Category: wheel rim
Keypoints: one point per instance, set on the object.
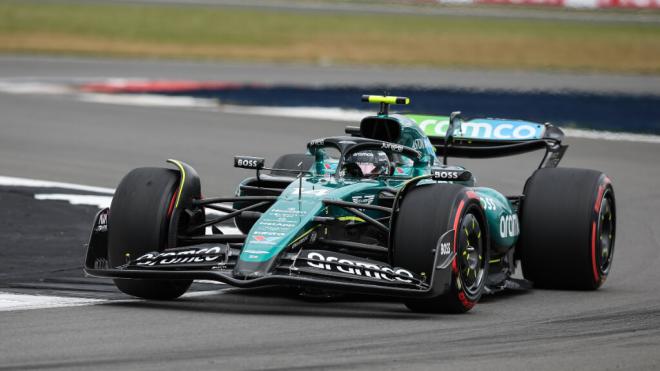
(606, 234)
(471, 260)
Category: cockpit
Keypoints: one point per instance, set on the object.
(361, 158)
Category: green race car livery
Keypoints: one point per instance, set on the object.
(376, 211)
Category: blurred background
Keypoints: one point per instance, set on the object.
(577, 63)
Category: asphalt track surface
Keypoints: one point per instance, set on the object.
(51, 137)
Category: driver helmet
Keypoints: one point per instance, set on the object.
(368, 163)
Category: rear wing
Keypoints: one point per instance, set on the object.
(485, 138)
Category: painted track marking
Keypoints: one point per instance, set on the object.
(15, 301)
(12, 302)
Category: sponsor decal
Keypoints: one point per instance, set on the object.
(404, 171)
(482, 129)
(363, 199)
(418, 144)
(313, 192)
(344, 264)
(291, 211)
(263, 233)
(247, 162)
(203, 255)
(509, 226)
(265, 238)
(317, 142)
(442, 173)
(445, 248)
(488, 204)
(258, 252)
(269, 225)
(392, 147)
(446, 174)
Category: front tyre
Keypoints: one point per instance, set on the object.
(425, 214)
(138, 223)
(568, 228)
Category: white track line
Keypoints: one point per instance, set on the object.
(11, 302)
(611, 136)
(148, 100)
(312, 113)
(35, 183)
(31, 87)
(98, 201)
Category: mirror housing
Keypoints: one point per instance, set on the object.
(249, 162)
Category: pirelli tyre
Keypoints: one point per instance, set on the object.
(138, 223)
(426, 213)
(568, 228)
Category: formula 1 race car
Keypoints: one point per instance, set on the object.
(377, 211)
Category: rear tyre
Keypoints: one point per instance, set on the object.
(138, 223)
(568, 228)
(425, 214)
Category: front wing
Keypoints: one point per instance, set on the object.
(302, 268)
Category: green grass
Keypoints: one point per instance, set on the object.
(227, 33)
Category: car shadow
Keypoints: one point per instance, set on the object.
(281, 302)
(502, 295)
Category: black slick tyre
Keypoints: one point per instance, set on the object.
(425, 214)
(568, 228)
(138, 224)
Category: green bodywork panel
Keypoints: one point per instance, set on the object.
(502, 219)
(291, 216)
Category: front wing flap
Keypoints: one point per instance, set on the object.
(304, 268)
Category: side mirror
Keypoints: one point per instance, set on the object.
(249, 162)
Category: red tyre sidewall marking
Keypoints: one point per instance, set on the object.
(457, 218)
(467, 303)
(594, 226)
(170, 209)
(593, 253)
